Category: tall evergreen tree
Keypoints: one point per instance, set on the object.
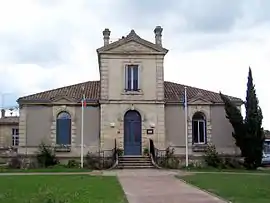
(253, 126)
(233, 114)
(248, 133)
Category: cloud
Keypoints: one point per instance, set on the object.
(50, 43)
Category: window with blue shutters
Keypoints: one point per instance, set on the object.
(132, 78)
(63, 129)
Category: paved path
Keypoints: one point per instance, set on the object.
(157, 186)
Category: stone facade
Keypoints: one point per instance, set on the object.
(112, 124)
(159, 105)
(115, 101)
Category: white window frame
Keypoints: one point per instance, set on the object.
(198, 121)
(15, 137)
(132, 73)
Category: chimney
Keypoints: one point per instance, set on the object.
(3, 112)
(106, 36)
(158, 34)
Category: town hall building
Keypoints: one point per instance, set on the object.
(131, 103)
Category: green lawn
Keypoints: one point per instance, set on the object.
(209, 169)
(61, 189)
(55, 170)
(238, 188)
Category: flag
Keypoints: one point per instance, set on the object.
(185, 98)
(83, 101)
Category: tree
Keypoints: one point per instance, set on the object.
(233, 114)
(253, 126)
(248, 133)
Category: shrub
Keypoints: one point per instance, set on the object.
(46, 156)
(15, 162)
(212, 158)
(107, 163)
(146, 151)
(73, 164)
(169, 160)
(232, 162)
(92, 161)
(119, 152)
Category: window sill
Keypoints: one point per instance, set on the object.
(199, 147)
(127, 92)
(60, 148)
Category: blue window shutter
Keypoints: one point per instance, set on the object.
(63, 131)
(135, 78)
(129, 78)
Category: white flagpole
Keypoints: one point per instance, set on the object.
(82, 129)
(186, 125)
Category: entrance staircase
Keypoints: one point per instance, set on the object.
(134, 162)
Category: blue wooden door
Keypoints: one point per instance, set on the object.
(132, 133)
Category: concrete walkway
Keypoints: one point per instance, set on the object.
(158, 186)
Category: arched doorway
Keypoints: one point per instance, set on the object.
(132, 133)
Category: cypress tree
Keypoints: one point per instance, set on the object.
(253, 126)
(233, 114)
(248, 133)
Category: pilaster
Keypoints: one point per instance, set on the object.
(159, 78)
(23, 126)
(104, 79)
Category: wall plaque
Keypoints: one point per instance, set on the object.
(149, 131)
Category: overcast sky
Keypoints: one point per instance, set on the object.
(51, 43)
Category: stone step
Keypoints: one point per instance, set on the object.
(134, 167)
(129, 162)
(135, 161)
(134, 158)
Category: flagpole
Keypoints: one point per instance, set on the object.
(186, 126)
(82, 130)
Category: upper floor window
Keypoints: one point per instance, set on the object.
(15, 137)
(132, 78)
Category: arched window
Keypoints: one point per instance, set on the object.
(63, 129)
(199, 128)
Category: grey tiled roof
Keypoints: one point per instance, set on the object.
(173, 92)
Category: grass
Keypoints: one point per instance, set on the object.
(237, 188)
(61, 189)
(49, 170)
(210, 169)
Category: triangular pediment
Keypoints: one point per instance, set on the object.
(132, 43)
(62, 100)
(132, 47)
(199, 99)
